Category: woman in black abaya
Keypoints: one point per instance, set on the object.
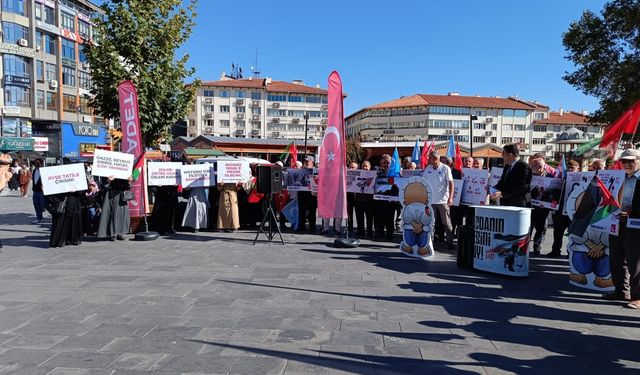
(114, 220)
(66, 227)
(165, 205)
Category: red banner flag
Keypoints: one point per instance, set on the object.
(626, 123)
(132, 141)
(294, 154)
(457, 164)
(332, 176)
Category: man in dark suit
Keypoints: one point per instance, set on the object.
(514, 187)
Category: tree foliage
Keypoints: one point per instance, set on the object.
(355, 152)
(606, 51)
(138, 40)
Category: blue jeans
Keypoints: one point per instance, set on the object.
(412, 239)
(585, 265)
(38, 203)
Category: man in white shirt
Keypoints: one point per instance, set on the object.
(439, 177)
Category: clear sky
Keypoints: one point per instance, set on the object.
(387, 49)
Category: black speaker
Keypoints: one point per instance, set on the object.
(269, 179)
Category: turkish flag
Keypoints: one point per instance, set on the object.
(332, 174)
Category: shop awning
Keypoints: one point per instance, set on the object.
(195, 153)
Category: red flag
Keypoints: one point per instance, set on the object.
(457, 164)
(332, 181)
(424, 158)
(626, 123)
(132, 142)
(294, 154)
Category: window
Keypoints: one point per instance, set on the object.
(312, 99)
(557, 128)
(325, 100)
(84, 80)
(16, 66)
(68, 21)
(507, 113)
(494, 126)
(83, 29)
(507, 127)
(209, 93)
(539, 128)
(51, 101)
(224, 94)
(520, 113)
(52, 72)
(12, 32)
(17, 96)
(224, 123)
(84, 105)
(224, 108)
(478, 139)
(50, 44)
(68, 49)
(240, 94)
(518, 140)
(240, 109)
(40, 70)
(449, 124)
(44, 13)
(256, 96)
(40, 99)
(255, 110)
(494, 140)
(295, 99)
(277, 112)
(507, 140)
(582, 128)
(296, 113)
(538, 116)
(82, 56)
(276, 98)
(240, 124)
(478, 125)
(69, 103)
(520, 127)
(539, 141)
(314, 114)
(39, 37)
(14, 6)
(442, 110)
(68, 76)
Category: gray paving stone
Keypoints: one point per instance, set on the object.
(136, 361)
(34, 341)
(83, 343)
(81, 359)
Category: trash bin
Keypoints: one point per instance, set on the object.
(465, 246)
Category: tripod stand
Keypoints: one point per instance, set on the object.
(270, 215)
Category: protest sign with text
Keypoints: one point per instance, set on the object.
(163, 173)
(474, 189)
(196, 175)
(63, 178)
(361, 181)
(110, 163)
(232, 171)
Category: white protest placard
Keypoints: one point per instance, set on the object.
(546, 192)
(361, 181)
(63, 178)
(457, 191)
(163, 173)
(196, 175)
(298, 179)
(232, 171)
(474, 189)
(496, 173)
(110, 163)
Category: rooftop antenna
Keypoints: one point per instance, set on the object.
(254, 68)
(236, 71)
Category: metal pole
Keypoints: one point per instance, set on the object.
(306, 129)
(471, 135)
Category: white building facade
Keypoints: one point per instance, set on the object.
(258, 108)
(494, 120)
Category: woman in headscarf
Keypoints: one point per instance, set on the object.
(66, 219)
(165, 205)
(24, 177)
(114, 220)
(196, 214)
(91, 209)
(228, 214)
(14, 183)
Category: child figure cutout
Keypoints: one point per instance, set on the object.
(417, 219)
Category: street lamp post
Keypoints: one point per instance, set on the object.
(306, 129)
(472, 118)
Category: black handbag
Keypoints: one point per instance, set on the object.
(128, 195)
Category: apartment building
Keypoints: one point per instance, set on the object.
(258, 108)
(46, 77)
(492, 120)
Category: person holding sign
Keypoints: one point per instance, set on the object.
(228, 214)
(624, 254)
(514, 187)
(165, 206)
(114, 220)
(66, 219)
(539, 215)
(561, 221)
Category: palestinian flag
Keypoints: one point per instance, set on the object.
(137, 167)
(607, 207)
(287, 151)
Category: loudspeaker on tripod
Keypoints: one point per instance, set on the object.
(269, 179)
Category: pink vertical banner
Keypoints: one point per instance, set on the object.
(332, 176)
(132, 141)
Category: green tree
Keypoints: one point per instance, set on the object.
(355, 152)
(606, 51)
(138, 40)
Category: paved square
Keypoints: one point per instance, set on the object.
(211, 303)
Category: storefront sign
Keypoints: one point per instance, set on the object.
(40, 144)
(84, 17)
(501, 240)
(86, 150)
(163, 174)
(17, 80)
(71, 35)
(11, 110)
(109, 163)
(63, 178)
(16, 144)
(49, 3)
(86, 130)
(14, 49)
